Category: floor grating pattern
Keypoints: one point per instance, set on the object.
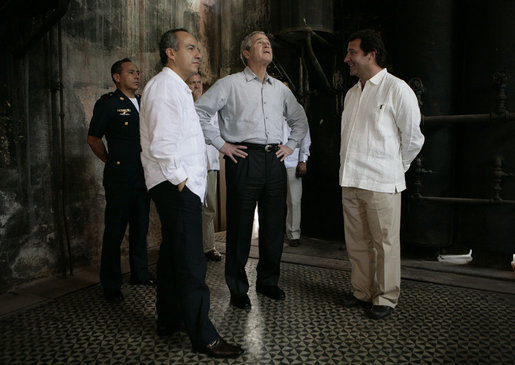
(433, 324)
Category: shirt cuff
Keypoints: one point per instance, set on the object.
(218, 142)
(292, 145)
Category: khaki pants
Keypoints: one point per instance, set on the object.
(209, 212)
(372, 229)
(293, 198)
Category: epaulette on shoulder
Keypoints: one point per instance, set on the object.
(107, 96)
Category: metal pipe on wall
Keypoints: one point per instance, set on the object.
(469, 118)
(63, 149)
(55, 143)
(460, 200)
(314, 60)
(28, 172)
(497, 176)
(58, 153)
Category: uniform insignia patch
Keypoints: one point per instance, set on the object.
(124, 111)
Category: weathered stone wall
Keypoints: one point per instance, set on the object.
(94, 34)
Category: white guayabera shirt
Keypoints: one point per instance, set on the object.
(172, 143)
(380, 134)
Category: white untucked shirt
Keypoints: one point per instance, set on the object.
(380, 134)
(172, 141)
(300, 153)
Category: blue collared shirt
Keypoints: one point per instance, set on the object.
(250, 111)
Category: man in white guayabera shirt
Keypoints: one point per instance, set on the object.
(174, 160)
(380, 136)
(251, 106)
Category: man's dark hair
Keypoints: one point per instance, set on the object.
(371, 41)
(169, 40)
(117, 67)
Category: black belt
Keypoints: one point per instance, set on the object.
(272, 147)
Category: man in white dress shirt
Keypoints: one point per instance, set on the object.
(174, 161)
(213, 166)
(296, 168)
(380, 136)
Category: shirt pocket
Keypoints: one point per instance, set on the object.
(384, 122)
(380, 111)
(385, 131)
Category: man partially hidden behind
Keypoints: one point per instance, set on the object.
(174, 160)
(252, 106)
(380, 136)
(296, 168)
(213, 166)
(116, 116)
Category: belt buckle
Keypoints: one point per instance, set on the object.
(268, 148)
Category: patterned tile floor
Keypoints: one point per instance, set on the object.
(433, 324)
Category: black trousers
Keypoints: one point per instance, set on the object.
(261, 178)
(124, 205)
(182, 293)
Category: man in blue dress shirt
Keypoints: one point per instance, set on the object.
(252, 106)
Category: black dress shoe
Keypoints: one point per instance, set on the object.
(294, 243)
(241, 301)
(220, 349)
(115, 296)
(164, 330)
(380, 311)
(213, 255)
(147, 282)
(351, 301)
(271, 291)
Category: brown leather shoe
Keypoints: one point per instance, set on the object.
(213, 255)
(220, 349)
